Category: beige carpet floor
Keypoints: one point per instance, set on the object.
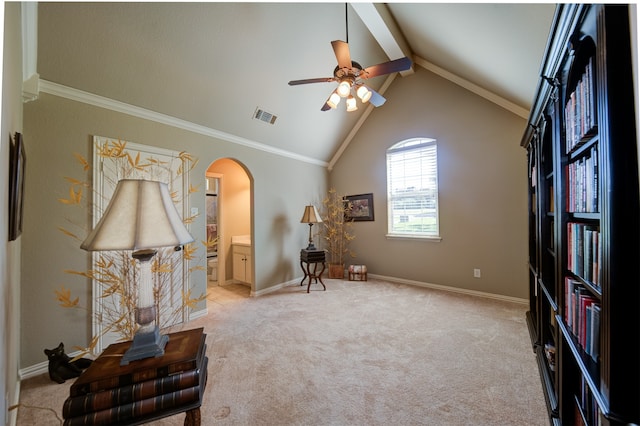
(360, 353)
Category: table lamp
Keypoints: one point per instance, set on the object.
(310, 216)
(140, 217)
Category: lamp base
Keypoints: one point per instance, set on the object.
(145, 345)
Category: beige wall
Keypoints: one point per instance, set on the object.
(482, 188)
(55, 128)
(9, 251)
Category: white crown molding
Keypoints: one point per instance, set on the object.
(488, 95)
(30, 89)
(29, 39)
(124, 108)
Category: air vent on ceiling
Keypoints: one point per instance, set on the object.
(265, 116)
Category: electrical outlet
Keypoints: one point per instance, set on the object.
(476, 273)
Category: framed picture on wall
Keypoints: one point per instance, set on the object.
(17, 161)
(361, 207)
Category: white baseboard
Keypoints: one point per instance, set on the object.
(275, 287)
(39, 368)
(453, 289)
(198, 314)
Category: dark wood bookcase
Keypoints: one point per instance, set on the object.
(584, 220)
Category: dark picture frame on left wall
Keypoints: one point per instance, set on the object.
(17, 162)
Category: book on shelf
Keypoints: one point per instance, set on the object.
(595, 197)
(144, 408)
(584, 251)
(587, 406)
(569, 287)
(582, 316)
(582, 184)
(96, 401)
(182, 352)
(593, 347)
(583, 319)
(580, 110)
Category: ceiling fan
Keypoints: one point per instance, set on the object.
(350, 75)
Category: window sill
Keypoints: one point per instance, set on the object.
(426, 238)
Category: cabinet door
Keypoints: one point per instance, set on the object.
(239, 262)
(242, 264)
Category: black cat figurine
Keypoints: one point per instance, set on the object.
(61, 367)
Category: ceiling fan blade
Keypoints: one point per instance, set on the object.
(341, 49)
(376, 98)
(397, 65)
(312, 80)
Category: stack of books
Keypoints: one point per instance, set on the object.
(312, 256)
(144, 390)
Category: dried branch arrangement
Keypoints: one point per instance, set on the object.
(337, 228)
(115, 272)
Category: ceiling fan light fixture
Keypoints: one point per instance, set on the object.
(344, 88)
(334, 100)
(351, 103)
(364, 94)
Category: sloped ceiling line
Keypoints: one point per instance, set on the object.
(384, 29)
(480, 91)
(121, 107)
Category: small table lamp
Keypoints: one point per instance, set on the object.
(140, 217)
(311, 216)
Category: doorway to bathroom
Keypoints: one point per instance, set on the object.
(229, 224)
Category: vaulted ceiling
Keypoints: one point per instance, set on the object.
(213, 64)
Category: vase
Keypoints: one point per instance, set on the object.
(336, 270)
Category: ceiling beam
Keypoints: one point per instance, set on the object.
(383, 27)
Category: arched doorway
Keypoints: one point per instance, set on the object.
(230, 192)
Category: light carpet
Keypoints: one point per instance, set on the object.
(359, 353)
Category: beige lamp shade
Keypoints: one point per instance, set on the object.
(141, 215)
(310, 215)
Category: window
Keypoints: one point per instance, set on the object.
(412, 185)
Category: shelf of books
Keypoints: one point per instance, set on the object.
(587, 240)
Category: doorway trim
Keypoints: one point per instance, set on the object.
(221, 256)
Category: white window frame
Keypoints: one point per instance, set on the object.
(422, 154)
